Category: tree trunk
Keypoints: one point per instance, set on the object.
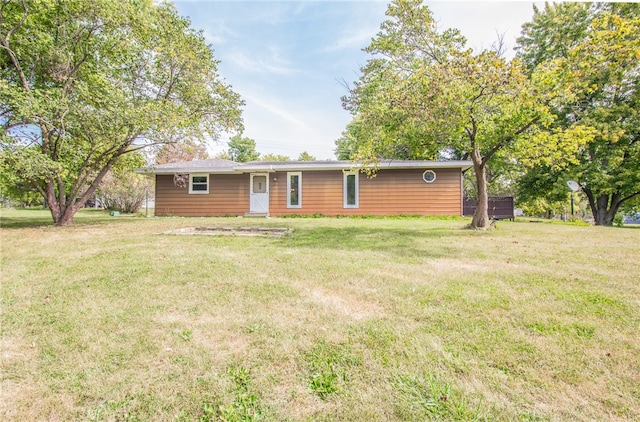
(62, 208)
(481, 216)
(61, 212)
(604, 207)
(67, 216)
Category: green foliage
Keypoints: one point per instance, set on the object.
(424, 95)
(584, 57)
(552, 32)
(14, 190)
(274, 157)
(223, 155)
(305, 156)
(242, 149)
(84, 83)
(347, 144)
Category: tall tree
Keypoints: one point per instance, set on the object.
(552, 32)
(593, 81)
(242, 149)
(92, 81)
(425, 94)
(347, 144)
(305, 156)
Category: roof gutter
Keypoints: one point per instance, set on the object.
(308, 166)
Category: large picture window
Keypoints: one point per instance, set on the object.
(199, 183)
(350, 189)
(294, 190)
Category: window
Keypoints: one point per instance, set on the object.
(259, 184)
(429, 176)
(294, 190)
(350, 190)
(198, 183)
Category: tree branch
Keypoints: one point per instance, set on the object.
(4, 43)
(508, 140)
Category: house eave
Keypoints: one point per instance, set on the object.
(348, 165)
(185, 170)
(271, 167)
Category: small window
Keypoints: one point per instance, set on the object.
(260, 184)
(199, 183)
(429, 176)
(294, 190)
(350, 189)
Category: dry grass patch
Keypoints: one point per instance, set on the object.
(341, 319)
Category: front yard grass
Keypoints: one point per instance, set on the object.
(342, 319)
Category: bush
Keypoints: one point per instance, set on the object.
(124, 193)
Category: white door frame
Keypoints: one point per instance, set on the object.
(259, 202)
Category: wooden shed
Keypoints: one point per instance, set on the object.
(224, 188)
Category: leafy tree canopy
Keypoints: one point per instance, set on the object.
(424, 95)
(552, 32)
(93, 81)
(305, 156)
(242, 149)
(586, 58)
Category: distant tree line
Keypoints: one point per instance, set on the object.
(242, 149)
(87, 87)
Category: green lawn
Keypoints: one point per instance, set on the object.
(343, 319)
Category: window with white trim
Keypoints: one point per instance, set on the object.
(350, 189)
(199, 183)
(429, 176)
(294, 190)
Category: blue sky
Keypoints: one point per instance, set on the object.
(287, 58)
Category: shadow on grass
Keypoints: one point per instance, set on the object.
(397, 241)
(18, 218)
(38, 217)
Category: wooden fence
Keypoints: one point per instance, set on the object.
(499, 207)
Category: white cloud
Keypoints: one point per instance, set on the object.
(284, 58)
(270, 106)
(354, 40)
(216, 31)
(273, 64)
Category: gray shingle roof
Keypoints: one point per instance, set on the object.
(217, 165)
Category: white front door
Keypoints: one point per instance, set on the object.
(259, 196)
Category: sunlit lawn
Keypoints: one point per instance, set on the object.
(343, 319)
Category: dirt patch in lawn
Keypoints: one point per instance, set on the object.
(232, 231)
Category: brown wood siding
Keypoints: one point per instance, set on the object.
(391, 192)
(228, 195)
